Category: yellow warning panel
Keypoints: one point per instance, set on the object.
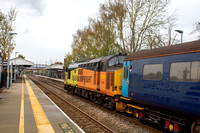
(67, 128)
(42, 122)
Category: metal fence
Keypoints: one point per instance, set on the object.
(3, 80)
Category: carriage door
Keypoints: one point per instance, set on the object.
(125, 80)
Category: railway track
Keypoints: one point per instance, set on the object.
(59, 86)
(85, 121)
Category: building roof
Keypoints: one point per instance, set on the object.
(21, 62)
(188, 47)
(55, 66)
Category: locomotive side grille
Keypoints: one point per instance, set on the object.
(107, 80)
(80, 71)
(94, 81)
(112, 79)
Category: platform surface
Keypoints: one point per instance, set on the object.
(25, 108)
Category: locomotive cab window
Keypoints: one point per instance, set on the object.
(185, 71)
(103, 66)
(116, 60)
(125, 72)
(113, 61)
(69, 73)
(153, 72)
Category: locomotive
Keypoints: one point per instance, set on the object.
(99, 79)
(161, 86)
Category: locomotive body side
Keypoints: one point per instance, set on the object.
(96, 80)
(87, 79)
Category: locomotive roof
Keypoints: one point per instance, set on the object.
(188, 47)
(99, 59)
(76, 64)
(95, 60)
(73, 65)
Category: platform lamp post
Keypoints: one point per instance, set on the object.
(181, 32)
(15, 66)
(8, 63)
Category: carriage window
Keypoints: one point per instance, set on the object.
(125, 72)
(153, 72)
(185, 71)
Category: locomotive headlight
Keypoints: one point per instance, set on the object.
(171, 127)
(136, 115)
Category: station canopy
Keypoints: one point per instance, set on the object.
(20, 62)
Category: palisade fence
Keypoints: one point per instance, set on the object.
(3, 80)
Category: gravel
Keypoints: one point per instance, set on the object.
(112, 121)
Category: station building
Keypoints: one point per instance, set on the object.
(55, 71)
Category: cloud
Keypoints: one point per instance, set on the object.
(26, 31)
(37, 6)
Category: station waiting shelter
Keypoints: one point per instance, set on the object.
(19, 64)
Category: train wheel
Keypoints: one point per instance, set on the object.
(195, 127)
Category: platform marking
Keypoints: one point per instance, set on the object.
(21, 120)
(43, 124)
(67, 128)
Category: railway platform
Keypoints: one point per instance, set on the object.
(25, 108)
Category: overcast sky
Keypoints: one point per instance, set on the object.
(45, 27)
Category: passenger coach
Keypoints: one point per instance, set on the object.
(163, 86)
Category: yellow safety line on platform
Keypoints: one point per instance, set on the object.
(21, 120)
(43, 124)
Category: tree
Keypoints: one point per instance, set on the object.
(146, 18)
(116, 13)
(197, 29)
(69, 59)
(6, 27)
(124, 26)
(21, 56)
(1, 16)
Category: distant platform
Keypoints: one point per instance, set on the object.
(61, 80)
(25, 108)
